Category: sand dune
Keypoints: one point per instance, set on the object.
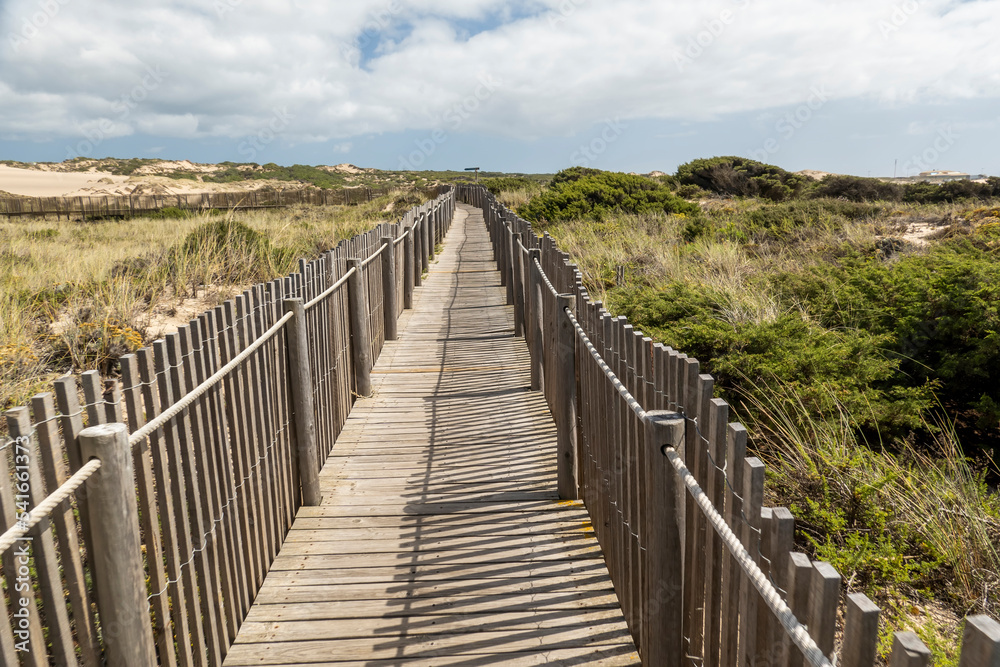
(34, 183)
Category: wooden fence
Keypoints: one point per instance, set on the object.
(110, 206)
(147, 544)
(705, 574)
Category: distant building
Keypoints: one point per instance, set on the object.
(942, 176)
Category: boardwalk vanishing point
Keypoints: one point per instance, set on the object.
(441, 539)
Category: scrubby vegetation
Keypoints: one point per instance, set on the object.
(865, 359)
(75, 296)
(587, 194)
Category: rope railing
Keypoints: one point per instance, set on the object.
(795, 630)
(375, 255)
(330, 290)
(545, 279)
(610, 374)
(200, 390)
(45, 508)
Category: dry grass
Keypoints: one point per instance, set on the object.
(76, 295)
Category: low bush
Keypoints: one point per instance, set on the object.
(742, 177)
(858, 189)
(595, 195)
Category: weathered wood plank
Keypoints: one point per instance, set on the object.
(440, 532)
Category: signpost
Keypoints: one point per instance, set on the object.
(475, 169)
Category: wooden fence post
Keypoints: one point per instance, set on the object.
(909, 651)
(425, 237)
(307, 448)
(508, 267)
(535, 319)
(860, 632)
(418, 243)
(431, 233)
(980, 643)
(565, 353)
(518, 287)
(389, 303)
(115, 548)
(408, 278)
(360, 335)
(662, 637)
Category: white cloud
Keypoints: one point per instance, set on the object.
(227, 65)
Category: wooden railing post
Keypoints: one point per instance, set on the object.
(418, 243)
(508, 265)
(431, 233)
(389, 303)
(408, 278)
(662, 641)
(518, 287)
(306, 445)
(980, 643)
(535, 319)
(425, 242)
(565, 352)
(115, 550)
(361, 341)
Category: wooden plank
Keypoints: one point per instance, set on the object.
(860, 632)
(187, 598)
(824, 595)
(30, 644)
(909, 651)
(980, 642)
(54, 472)
(449, 527)
(753, 495)
(27, 470)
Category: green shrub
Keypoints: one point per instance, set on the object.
(857, 189)
(578, 193)
(939, 313)
(826, 367)
(741, 177)
(168, 213)
(509, 184)
(779, 221)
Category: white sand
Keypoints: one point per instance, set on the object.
(33, 183)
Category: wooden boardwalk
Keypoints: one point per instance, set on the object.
(441, 540)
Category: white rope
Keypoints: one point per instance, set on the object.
(180, 405)
(329, 290)
(796, 631)
(44, 509)
(545, 278)
(622, 390)
(402, 237)
(375, 255)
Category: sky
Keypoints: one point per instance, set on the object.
(865, 87)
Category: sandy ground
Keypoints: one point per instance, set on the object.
(34, 183)
(57, 181)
